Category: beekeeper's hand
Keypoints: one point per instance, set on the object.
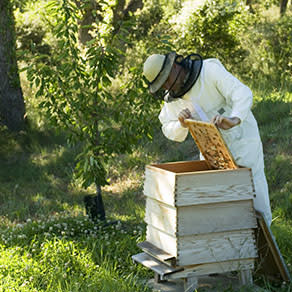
(225, 123)
(183, 115)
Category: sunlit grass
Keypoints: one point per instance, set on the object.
(47, 241)
(69, 254)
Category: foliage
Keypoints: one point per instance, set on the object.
(281, 46)
(76, 85)
(213, 31)
(145, 19)
(31, 31)
(269, 45)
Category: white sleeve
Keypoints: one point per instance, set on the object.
(171, 126)
(238, 96)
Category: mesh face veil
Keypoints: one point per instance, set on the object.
(191, 65)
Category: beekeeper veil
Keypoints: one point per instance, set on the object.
(157, 69)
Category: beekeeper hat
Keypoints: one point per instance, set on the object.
(157, 68)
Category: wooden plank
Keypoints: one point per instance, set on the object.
(211, 144)
(210, 268)
(245, 277)
(160, 185)
(161, 216)
(270, 262)
(216, 247)
(214, 186)
(198, 219)
(161, 240)
(157, 253)
(153, 264)
(182, 166)
(216, 217)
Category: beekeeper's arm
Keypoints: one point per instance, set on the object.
(169, 118)
(238, 96)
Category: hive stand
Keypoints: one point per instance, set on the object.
(182, 279)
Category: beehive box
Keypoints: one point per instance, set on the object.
(201, 215)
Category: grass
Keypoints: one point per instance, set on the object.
(47, 243)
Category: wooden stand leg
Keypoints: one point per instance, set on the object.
(190, 284)
(245, 277)
(157, 278)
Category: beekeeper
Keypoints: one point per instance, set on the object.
(204, 90)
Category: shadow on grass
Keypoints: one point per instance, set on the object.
(35, 175)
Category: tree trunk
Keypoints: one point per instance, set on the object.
(283, 7)
(12, 108)
(248, 3)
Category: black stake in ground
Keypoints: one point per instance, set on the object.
(94, 206)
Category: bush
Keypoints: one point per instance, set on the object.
(269, 44)
(213, 31)
(32, 31)
(281, 45)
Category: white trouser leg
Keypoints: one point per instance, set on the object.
(262, 200)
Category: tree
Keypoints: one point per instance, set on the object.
(12, 108)
(283, 6)
(249, 4)
(76, 86)
(92, 12)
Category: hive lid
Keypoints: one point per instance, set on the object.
(270, 262)
(211, 144)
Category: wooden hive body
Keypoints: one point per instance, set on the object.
(200, 216)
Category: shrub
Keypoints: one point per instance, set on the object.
(213, 31)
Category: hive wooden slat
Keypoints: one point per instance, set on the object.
(154, 264)
(160, 184)
(270, 261)
(162, 240)
(210, 268)
(219, 217)
(216, 247)
(161, 216)
(199, 219)
(157, 253)
(214, 186)
(176, 186)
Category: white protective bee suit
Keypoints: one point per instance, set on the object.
(218, 92)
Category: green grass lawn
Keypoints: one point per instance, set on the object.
(47, 243)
